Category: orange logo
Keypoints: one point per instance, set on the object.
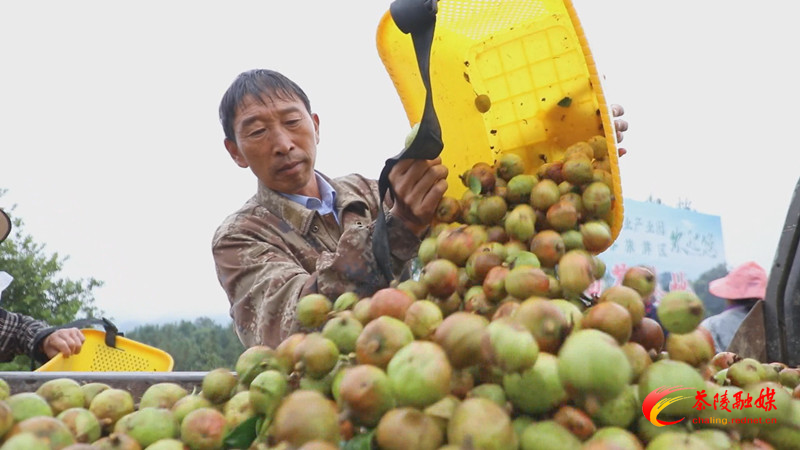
(655, 402)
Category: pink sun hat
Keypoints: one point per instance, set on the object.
(748, 280)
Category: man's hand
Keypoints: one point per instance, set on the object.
(419, 185)
(620, 125)
(67, 341)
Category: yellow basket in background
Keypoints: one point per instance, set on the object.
(97, 356)
(531, 58)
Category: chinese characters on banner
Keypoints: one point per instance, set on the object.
(678, 244)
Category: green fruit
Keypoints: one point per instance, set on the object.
(674, 439)
(25, 405)
(537, 390)
(238, 409)
(673, 374)
(111, 405)
(745, 372)
(343, 330)
(345, 301)
(26, 441)
(55, 432)
(313, 309)
(61, 394)
(613, 437)
(480, 423)
(5, 389)
(147, 425)
(509, 346)
(219, 385)
(188, 404)
(493, 392)
(365, 392)
(162, 395)
(715, 439)
(620, 411)
(259, 358)
(407, 427)
(548, 435)
(267, 390)
(680, 311)
(6, 418)
(82, 423)
(590, 362)
(420, 374)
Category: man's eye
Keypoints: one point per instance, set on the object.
(257, 132)
(293, 122)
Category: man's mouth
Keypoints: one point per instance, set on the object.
(289, 166)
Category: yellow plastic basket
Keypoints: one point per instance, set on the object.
(531, 58)
(96, 356)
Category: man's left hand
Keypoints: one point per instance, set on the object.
(620, 125)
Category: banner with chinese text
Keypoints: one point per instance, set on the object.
(679, 244)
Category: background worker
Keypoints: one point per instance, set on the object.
(742, 288)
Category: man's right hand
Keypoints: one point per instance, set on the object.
(419, 185)
(67, 341)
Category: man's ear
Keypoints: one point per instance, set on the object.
(236, 155)
(315, 118)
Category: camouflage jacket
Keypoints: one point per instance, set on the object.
(273, 251)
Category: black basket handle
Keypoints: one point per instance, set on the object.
(417, 17)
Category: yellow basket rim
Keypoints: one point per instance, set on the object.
(153, 355)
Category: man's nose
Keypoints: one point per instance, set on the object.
(282, 141)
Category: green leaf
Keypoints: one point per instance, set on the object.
(475, 184)
(360, 442)
(565, 102)
(243, 435)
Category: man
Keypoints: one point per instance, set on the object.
(304, 232)
(742, 288)
(21, 334)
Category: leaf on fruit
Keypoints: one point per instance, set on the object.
(475, 184)
(360, 442)
(244, 434)
(565, 102)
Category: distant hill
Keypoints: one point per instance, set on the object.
(127, 326)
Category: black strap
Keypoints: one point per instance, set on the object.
(417, 17)
(111, 335)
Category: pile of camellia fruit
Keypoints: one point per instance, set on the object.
(494, 345)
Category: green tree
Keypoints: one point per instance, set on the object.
(37, 289)
(200, 345)
(714, 305)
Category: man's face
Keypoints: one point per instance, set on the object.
(277, 139)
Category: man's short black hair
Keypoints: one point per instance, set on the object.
(259, 84)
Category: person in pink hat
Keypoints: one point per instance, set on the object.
(742, 288)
